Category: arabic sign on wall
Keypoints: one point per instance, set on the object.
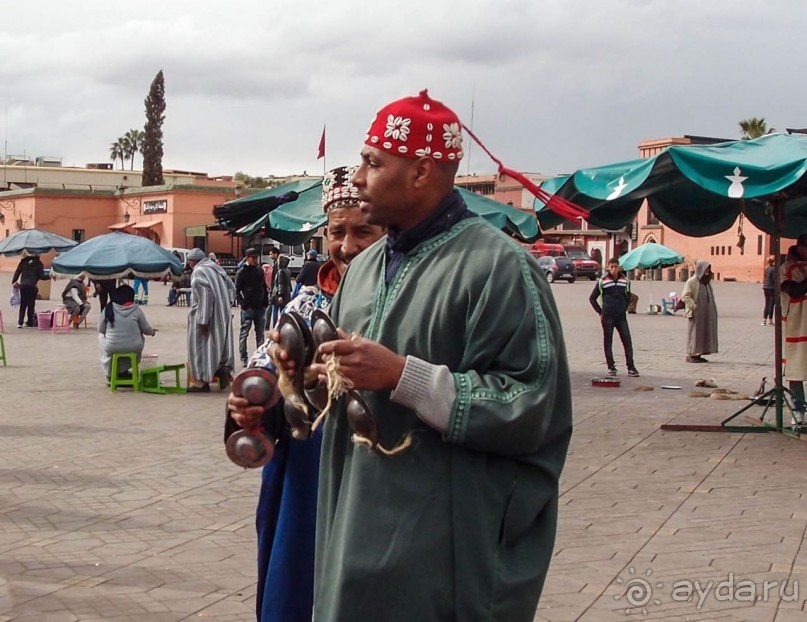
(155, 207)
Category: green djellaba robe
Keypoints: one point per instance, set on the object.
(461, 525)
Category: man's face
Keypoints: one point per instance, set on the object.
(252, 260)
(613, 268)
(274, 255)
(349, 234)
(384, 184)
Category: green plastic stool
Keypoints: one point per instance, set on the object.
(150, 379)
(115, 381)
(3, 350)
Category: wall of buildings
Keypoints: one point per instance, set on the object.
(82, 215)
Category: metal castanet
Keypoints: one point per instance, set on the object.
(322, 329)
(361, 418)
(251, 449)
(297, 420)
(297, 342)
(258, 386)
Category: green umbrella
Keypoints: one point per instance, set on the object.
(650, 255)
(117, 255)
(35, 241)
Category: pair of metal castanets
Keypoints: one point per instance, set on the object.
(306, 400)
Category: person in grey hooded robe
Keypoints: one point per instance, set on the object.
(701, 310)
(122, 328)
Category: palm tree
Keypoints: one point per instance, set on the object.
(754, 128)
(116, 151)
(134, 138)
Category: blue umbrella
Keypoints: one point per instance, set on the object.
(650, 255)
(116, 255)
(34, 241)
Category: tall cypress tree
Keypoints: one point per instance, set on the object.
(153, 139)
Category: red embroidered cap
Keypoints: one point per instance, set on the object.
(414, 127)
(338, 189)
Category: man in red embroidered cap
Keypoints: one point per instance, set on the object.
(461, 352)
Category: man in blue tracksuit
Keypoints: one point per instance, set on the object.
(610, 300)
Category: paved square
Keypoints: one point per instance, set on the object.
(124, 506)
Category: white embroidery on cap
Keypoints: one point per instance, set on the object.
(387, 145)
(428, 138)
(429, 127)
(397, 128)
(437, 155)
(423, 152)
(374, 139)
(426, 107)
(452, 135)
(403, 149)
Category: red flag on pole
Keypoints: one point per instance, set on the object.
(321, 152)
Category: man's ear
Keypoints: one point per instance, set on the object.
(423, 170)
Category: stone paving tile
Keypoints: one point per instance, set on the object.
(123, 506)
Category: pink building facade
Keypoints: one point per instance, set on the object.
(172, 216)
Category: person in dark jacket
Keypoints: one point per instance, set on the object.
(252, 295)
(103, 289)
(768, 287)
(610, 299)
(28, 273)
(308, 273)
(281, 287)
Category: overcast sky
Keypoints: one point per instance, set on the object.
(556, 84)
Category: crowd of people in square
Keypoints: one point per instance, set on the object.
(459, 524)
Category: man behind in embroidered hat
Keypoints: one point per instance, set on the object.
(287, 505)
(464, 352)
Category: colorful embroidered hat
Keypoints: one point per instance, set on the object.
(414, 127)
(338, 190)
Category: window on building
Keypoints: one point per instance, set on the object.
(652, 219)
(712, 250)
(729, 250)
(571, 225)
(722, 250)
(79, 235)
(759, 245)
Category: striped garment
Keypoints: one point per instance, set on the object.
(212, 295)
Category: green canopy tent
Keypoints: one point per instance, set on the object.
(700, 190)
(513, 221)
(251, 212)
(697, 190)
(297, 221)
